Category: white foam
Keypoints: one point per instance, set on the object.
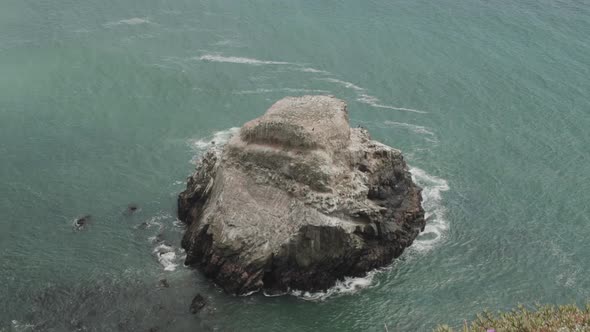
(166, 256)
(178, 224)
(218, 138)
(167, 260)
(348, 85)
(250, 293)
(348, 286)
(156, 221)
(239, 60)
(18, 326)
(313, 70)
(425, 132)
(362, 96)
(415, 128)
(375, 102)
(365, 98)
(129, 21)
(570, 270)
(275, 294)
(218, 57)
(436, 224)
(293, 90)
(163, 248)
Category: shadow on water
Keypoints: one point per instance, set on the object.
(111, 305)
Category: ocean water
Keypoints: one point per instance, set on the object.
(109, 103)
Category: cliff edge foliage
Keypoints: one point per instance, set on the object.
(547, 318)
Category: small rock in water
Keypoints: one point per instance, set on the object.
(81, 222)
(131, 209)
(163, 283)
(198, 303)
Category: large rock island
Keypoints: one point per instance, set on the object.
(297, 200)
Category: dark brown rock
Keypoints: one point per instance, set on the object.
(82, 222)
(197, 304)
(163, 283)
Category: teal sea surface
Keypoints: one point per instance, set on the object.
(109, 103)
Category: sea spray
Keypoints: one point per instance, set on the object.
(437, 224)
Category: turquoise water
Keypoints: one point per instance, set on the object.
(107, 103)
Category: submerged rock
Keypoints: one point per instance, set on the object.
(297, 200)
(198, 303)
(80, 223)
(131, 209)
(163, 283)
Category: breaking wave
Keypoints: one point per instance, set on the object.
(348, 286)
(218, 138)
(436, 222)
(167, 257)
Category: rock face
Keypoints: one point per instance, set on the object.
(297, 200)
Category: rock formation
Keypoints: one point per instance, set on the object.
(197, 304)
(297, 200)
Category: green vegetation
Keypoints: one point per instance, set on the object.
(546, 318)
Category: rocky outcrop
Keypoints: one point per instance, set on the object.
(198, 303)
(297, 200)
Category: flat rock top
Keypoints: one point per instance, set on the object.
(308, 122)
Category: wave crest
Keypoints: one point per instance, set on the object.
(348, 286)
(218, 138)
(436, 223)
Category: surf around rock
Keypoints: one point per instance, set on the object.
(298, 200)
